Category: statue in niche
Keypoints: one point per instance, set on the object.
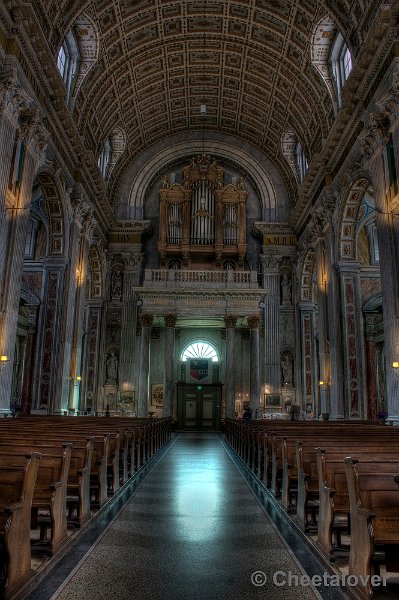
(286, 369)
(286, 288)
(116, 284)
(112, 368)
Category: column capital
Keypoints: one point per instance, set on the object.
(13, 97)
(170, 320)
(230, 321)
(270, 263)
(146, 320)
(375, 136)
(254, 322)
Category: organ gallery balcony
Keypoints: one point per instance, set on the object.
(205, 279)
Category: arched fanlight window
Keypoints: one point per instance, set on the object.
(301, 161)
(68, 61)
(200, 350)
(104, 158)
(341, 64)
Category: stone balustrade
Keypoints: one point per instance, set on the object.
(175, 279)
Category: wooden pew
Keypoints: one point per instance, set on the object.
(50, 490)
(374, 513)
(17, 484)
(333, 487)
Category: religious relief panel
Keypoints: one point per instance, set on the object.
(111, 367)
(49, 337)
(203, 221)
(287, 369)
(352, 350)
(287, 337)
(308, 358)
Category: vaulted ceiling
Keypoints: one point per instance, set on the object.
(249, 61)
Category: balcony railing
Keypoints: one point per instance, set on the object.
(172, 278)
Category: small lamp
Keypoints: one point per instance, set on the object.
(321, 382)
(79, 378)
(395, 364)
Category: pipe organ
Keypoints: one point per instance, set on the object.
(202, 221)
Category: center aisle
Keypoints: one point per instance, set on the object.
(193, 530)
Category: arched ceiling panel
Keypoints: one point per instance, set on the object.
(249, 61)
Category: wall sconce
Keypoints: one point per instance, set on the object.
(79, 378)
(395, 364)
(321, 383)
(3, 360)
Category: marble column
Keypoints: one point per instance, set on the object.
(373, 140)
(371, 371)
(353, 347)
(28, 371)
(230, 322)
(169, 386)
(74, 297)
(12, 101)
(142, 405)
(254, 382)
(131, 278)
(323, 330)
(271, 282)
(337, 409)
(32, 135)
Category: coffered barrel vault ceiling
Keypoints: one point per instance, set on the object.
(248, 60)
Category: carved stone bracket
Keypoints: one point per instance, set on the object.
(147, 320)
(254, 322)
(230, 321)
(170, 320)
(13, 98)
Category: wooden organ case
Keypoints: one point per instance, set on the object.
(202, 221)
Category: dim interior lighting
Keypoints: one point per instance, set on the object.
(395, 364)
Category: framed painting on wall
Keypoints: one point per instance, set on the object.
(272, 401)
(157, 394)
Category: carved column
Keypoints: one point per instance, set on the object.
(146, 322)
(337, 410)
(323, 334)
(230, 322)
(28, 370)
(94, 316)
(170, 323)
(75, 367)
(33, 137)
(13, 100)
(374, 140)
(131, 280)
(354, 367)
(73, 301)
(308, 354)
(49, 334)
(254, 382)
(371, 372)
(271, 282)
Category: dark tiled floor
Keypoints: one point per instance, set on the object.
(194, 530)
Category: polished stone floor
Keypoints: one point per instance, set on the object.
(194, 529)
